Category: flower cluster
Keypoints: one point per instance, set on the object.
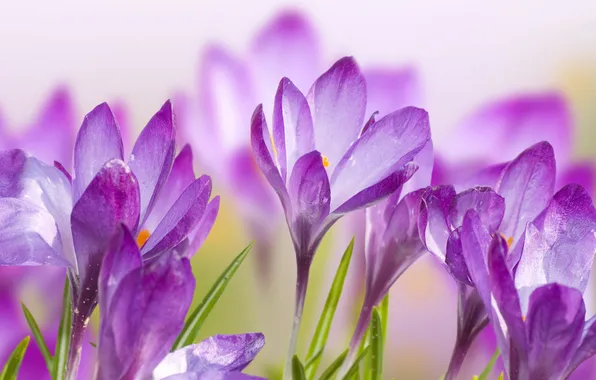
(517, 239)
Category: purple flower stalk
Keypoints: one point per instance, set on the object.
(144, 303)
(534, 296)
(323, 162)
(47, 218)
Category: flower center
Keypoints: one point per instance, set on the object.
(325, 160)
(509, 240)
(143, 237)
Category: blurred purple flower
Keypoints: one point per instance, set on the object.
(229, 87)
(144, 303)
(536, 305)
(48, 219)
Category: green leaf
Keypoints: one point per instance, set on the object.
(489, 367)
(354, 368)
(365, 343)
(376, 341)
(322, 331)
(63, 339)
(311, 361)
(334, 367)
(297, 369)
(11, 368)
(384, 313)
(194, 323)
(41, 343)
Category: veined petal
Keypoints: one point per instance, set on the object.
(391, 89)
(261, 147)
(12, 163)
(338, 101)
(152, 157)
(422, 178)
(181, 219)
(385, 147)
(475, 241)
(559, 244)
(28, 235)
(555, 323)
(293, 133)
(180, 177)
(98, 142)
(288, 46)
(489, 205)
(310, 196)
(455, 260)
(436, 234)
(219, 353)
(527, 184)
(203, 227)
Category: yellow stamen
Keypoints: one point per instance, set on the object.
(509, 240)
(523, 318)
(325, 161)
(143, 237)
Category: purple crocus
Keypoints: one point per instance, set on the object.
(534, 296)
(230, 84)
(144, 303)
(47, 218)
(323, 161)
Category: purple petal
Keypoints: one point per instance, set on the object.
(455, 260)
(287, 46)
(210, 375)
(12, 164)
(499, 130)
(385, 147)
(61, 167)
(587, 347)
(28, 235)
(146, 315)
(581, 174)
(180, 177)
(527, 184)
(203, 227)
(422, 178)
(338, 101)
(219, 353)
(261, 142)
(559, 244)
(181, 219)
(98, 142)
(152, 156)
(390, 89)
(126, 127)
(489, 205)
(122, 258)
(111, 199)
(292, 126)
(555, 323)
(475, 241)
(310, 195)
(438, 203)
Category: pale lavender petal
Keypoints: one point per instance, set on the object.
(499, 130)
(28, 235)
(385, 147)
(489, 205)
(527, 184)
(261, 146)
(338, 101)
(61, 167)
(555, 323)
(438, 203)
(180, 177)
(587, 347)
(293, 133)
(425, 162)
(147, 313)
(203, 227)
(219, 353)
(559, 244)
(181, 219)
(288, 46)
(98, 142)
(392, 89)
(310, 196)
(152, 157)
(126, 127)
(578, 173)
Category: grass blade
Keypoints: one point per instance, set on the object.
(194, 323)
(63, 339)
(384, 313)
(11, 368)
(41, 343)
(354, 368)
(324, 325)
(311, 361)
(334, 367)
(376, 341)
(489, 367)
(297, 369)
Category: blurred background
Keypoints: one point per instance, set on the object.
(137, 54)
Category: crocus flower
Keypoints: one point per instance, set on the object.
(49, 219)
(323, 162)
(229, 85)
(144, 303)
(535, 303)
